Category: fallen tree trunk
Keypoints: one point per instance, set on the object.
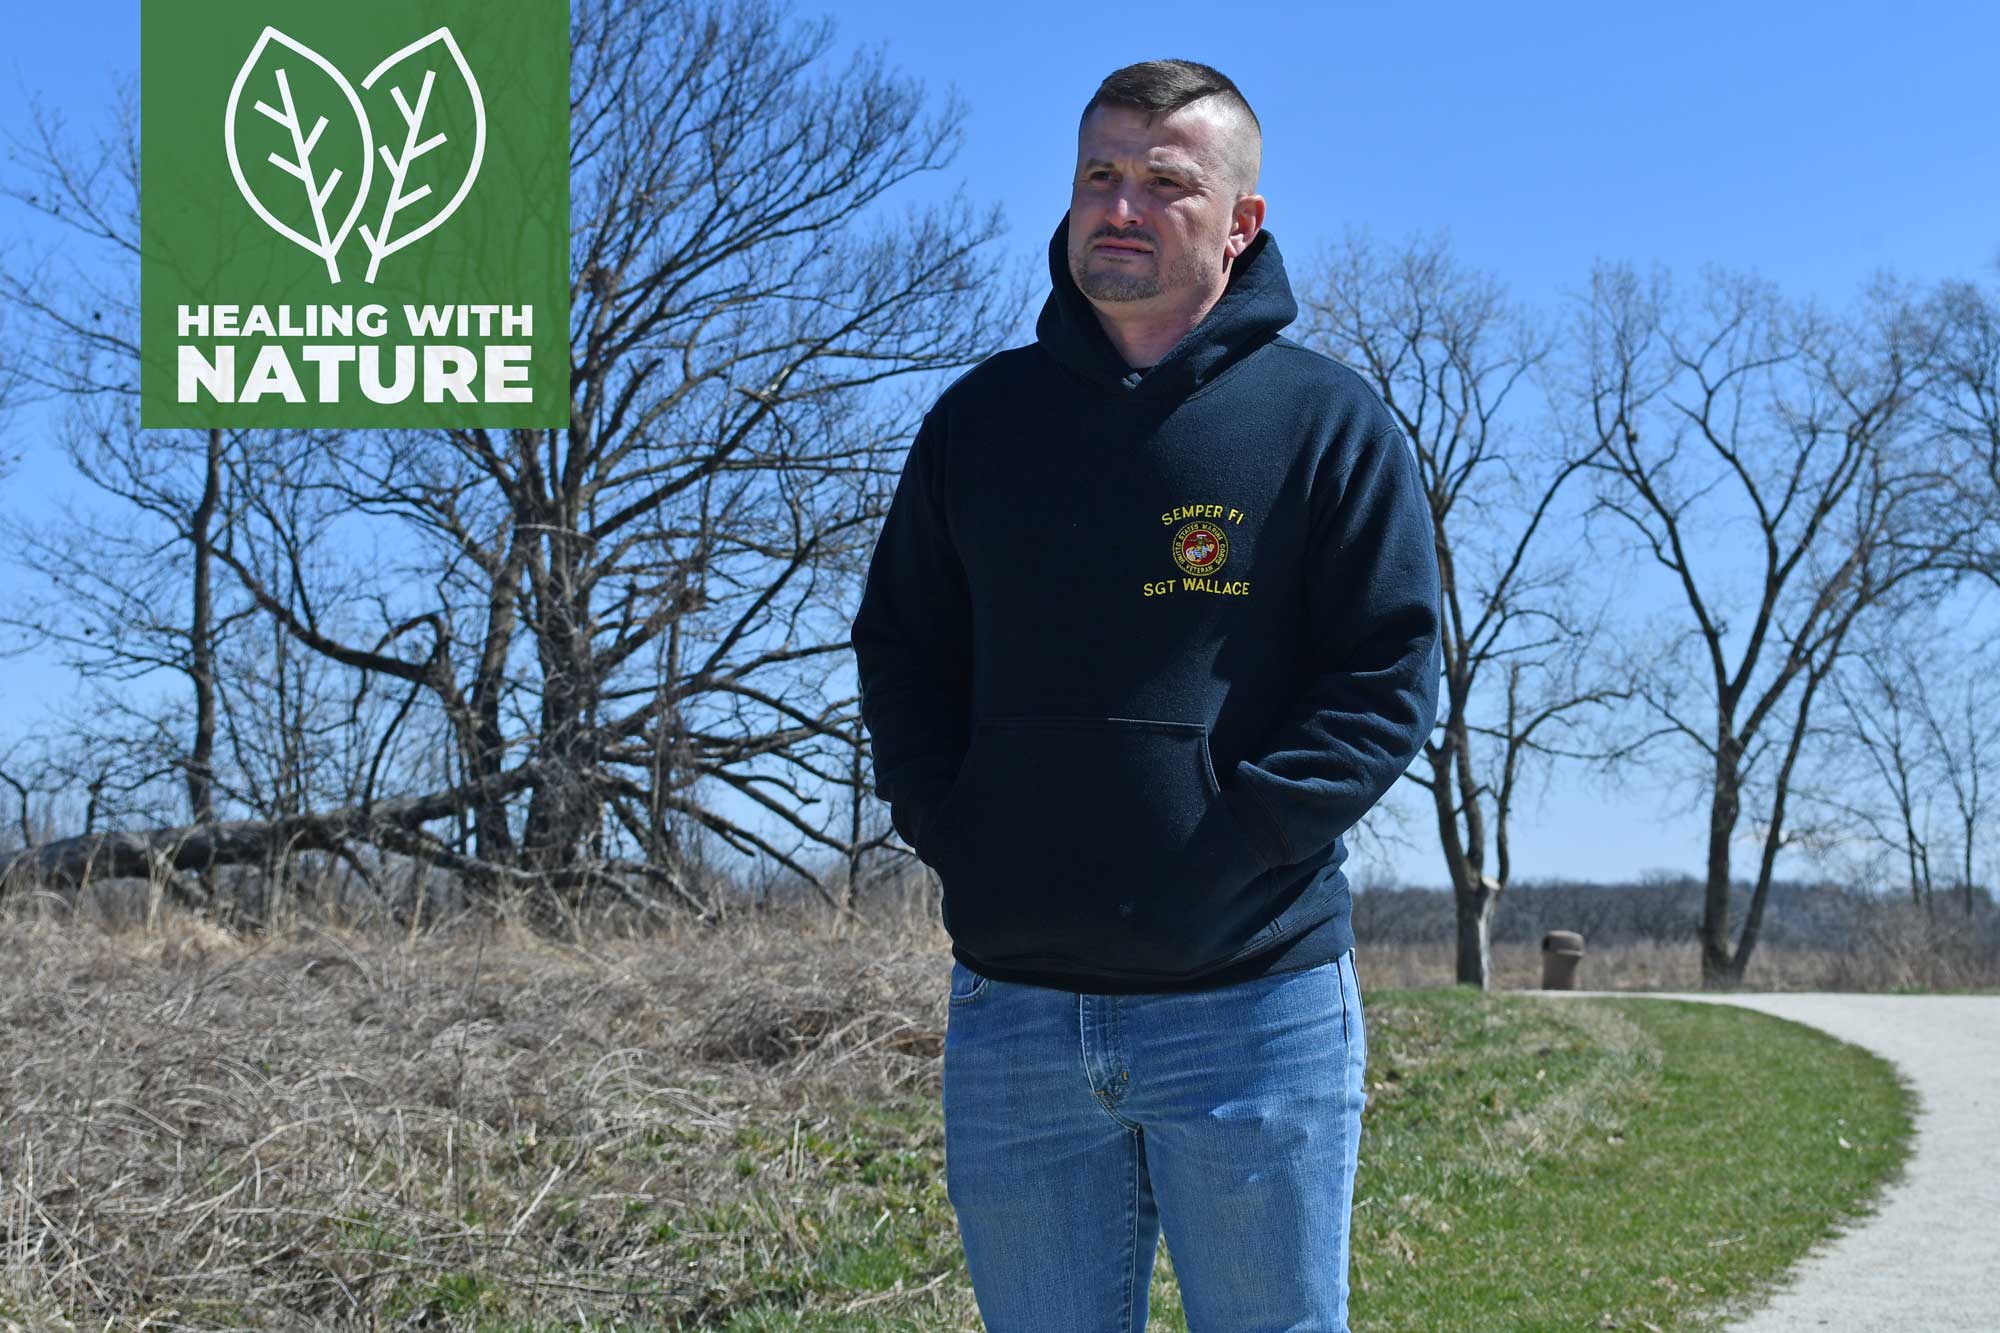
(146, 852)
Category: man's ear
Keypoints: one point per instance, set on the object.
(1245, 221)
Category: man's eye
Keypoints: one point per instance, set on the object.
(1166, 180)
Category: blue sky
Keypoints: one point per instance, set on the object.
(1814, 144)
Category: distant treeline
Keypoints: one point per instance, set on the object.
(1801, 914)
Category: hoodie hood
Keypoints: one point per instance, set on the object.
(1253, 308)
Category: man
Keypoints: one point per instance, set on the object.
(1152, 622)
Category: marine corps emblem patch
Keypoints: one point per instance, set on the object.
(1200, 547)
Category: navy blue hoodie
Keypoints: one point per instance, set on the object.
(1137, 648)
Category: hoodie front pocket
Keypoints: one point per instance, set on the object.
(1105, 841)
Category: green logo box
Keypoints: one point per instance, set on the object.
(354, 214)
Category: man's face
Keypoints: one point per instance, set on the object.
(1151, 206)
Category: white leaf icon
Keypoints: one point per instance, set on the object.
(383, 240)
(287, 105)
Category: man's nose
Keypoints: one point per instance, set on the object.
(1120, 211)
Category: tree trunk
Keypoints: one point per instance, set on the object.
(1473, 893)
(1722, 811)
(1475, 915)
(565, 809)
(201, 643)
(241, 842)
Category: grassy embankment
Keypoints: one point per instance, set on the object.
(740, 1131)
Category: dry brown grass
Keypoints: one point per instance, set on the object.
(339, 1128)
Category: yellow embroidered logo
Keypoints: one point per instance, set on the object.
(1200, 547)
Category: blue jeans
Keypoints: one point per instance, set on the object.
(1077, 1126)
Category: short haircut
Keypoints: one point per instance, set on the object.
(1163, 86)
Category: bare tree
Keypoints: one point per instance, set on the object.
(656, 589)
(1960, 407)
(125, 587)
(600, 631)
(1914, 704)
(112, 590)
(1445, 353)
(1751, 442)
(1878, 714)
(1961, 397)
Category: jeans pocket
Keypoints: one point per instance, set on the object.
(1353, 1027)
(966, 984)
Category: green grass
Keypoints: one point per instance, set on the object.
(1559, 1163)
(1526, 1164)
